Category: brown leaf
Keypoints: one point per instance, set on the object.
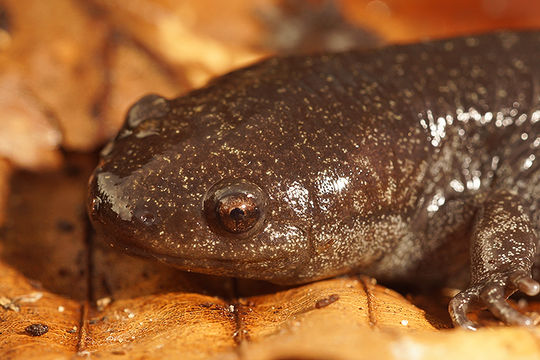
(57, 57)
(29, 138)
(187, 34)
(414, 20)
(131, 72)
(5, 174)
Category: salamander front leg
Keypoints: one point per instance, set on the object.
(502, 254)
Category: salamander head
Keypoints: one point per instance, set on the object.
(202, 203)
(245, 178)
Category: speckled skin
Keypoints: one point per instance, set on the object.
(415, 163)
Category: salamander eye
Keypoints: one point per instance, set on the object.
(237, 212)
(235, 206)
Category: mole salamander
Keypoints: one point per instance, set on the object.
(412, 163)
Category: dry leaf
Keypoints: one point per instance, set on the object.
(5, 173)
(185, 33)
(57, 57)
(29, 138)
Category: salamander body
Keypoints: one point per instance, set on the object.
(413, 163)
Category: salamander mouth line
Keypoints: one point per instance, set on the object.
(178, 260)
(141, 252)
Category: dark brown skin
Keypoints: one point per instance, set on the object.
(415, 163)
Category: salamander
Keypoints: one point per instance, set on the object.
(414, 163)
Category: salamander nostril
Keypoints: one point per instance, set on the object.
(147, 218)
(96, 202)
